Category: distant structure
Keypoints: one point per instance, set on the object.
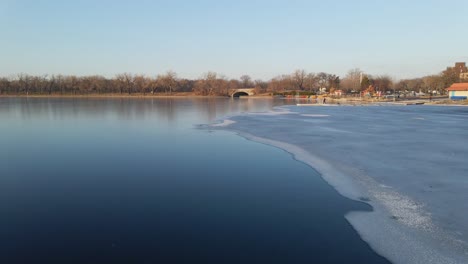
(458, 91)
(460, 67)
(337, 93)
(242, 92)
(464, 76)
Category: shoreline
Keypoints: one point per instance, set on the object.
(303, 102)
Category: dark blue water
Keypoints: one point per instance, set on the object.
(132, 181)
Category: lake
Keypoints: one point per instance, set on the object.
(138, 181)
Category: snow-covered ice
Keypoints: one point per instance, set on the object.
(409, 162)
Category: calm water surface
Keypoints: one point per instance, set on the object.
(133, 181)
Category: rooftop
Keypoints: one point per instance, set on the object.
(458, 87)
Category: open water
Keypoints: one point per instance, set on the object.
(135, 181)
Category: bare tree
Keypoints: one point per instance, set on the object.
(382, 83)
(74, 83)
(59, 79)
(234, 84)
(298, 78)
(24, 83)
(168, 81)
(120, 81)
(434, 83)
(125, 82)
(246, 81)
(281, 84)
(50, 83)
(152, 84)
(4, 85)
(129, 82)
(311, 81)
(207, 84)
(141, 83)
(260, 86)
(352, 80)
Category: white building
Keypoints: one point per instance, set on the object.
(458, 91)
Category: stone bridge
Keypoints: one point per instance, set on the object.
(242, 92)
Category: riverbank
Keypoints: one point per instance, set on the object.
(355, 101)
(359, 101)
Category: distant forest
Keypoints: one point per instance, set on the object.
(213, 83)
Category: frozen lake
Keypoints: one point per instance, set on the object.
(409, 162)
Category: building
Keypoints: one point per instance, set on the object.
(458, 91)
(464, 76)
(338, 93)
(461, 67)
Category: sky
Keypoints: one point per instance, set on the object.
(399, 38)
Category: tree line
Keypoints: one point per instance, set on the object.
(436, 83)
(213, 83)
(210, 83)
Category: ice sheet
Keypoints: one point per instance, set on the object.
(409, 162)
(224, 123)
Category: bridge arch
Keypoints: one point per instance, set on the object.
(239, 94)
(242, 92)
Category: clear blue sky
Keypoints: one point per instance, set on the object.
(401, 38)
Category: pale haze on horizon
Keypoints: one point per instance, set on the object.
(402, 39)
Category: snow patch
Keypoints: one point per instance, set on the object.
(225, 123)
